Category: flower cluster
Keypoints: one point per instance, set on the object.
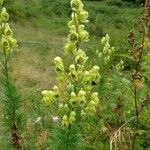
(79, 101)
(7, 41)
(107, 50)
(50, 96)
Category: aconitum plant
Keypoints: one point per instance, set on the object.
(11, 98)
(73, 98)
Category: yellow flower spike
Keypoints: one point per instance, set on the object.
(4, 15)
(59, 64)
(81, 57)
(95, 98)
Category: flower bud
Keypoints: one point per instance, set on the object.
(66, 108)
(4, 15)
(73, 98)
(95, 69)
(90, 109)
(109, 51)
(12, 42)
(83, 15)
(75, 4)
(59, 64)
(70, 47)
(7, 30)
(65, 122)
(65, 118)
(83, 114)
(81, 57)
(100, 55)
(83, 34)
(86, 77)
(73, 71)
(94, 75)
(95, 98)
(73, 36)
(92, 103)
(70, 23)
(82, 97)
(73, 113)
(48, 96)
(72, 117)
(6, 45)
(103, 40)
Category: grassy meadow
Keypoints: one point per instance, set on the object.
(41, 30)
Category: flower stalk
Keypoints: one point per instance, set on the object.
(11, 101)
(79, 101)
